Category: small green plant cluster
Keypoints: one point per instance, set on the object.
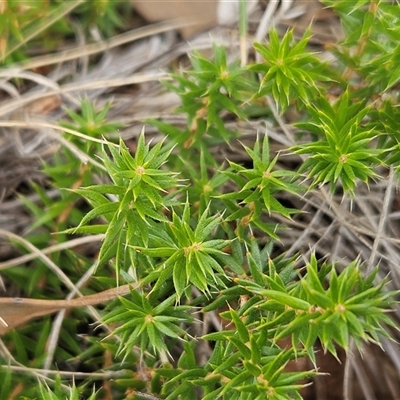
(266, 299)
(196, 234)
(27, 25)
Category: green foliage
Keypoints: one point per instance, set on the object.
(146, 322)
(342, 151)
(289, 71)
(350, 306)
(66, 170)
(107, 15)
(132, 203)
(47, 394)
(26, 24)
(210, 88)
(197, 233)
(189, 257)
(89, 122)
(237, 365)
(259, 187)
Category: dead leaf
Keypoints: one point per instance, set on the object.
(44, 105)
(15, 311)
(201, 14)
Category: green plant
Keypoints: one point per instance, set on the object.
(25, 24)
(197, 234)
(210, 88)
(344, 150)
(84, 134)
(47, 394)
(290, 72)
(258, 188)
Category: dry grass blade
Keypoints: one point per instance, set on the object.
(63, 90)
(90, 49)
(17, 311)
(51, 249)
